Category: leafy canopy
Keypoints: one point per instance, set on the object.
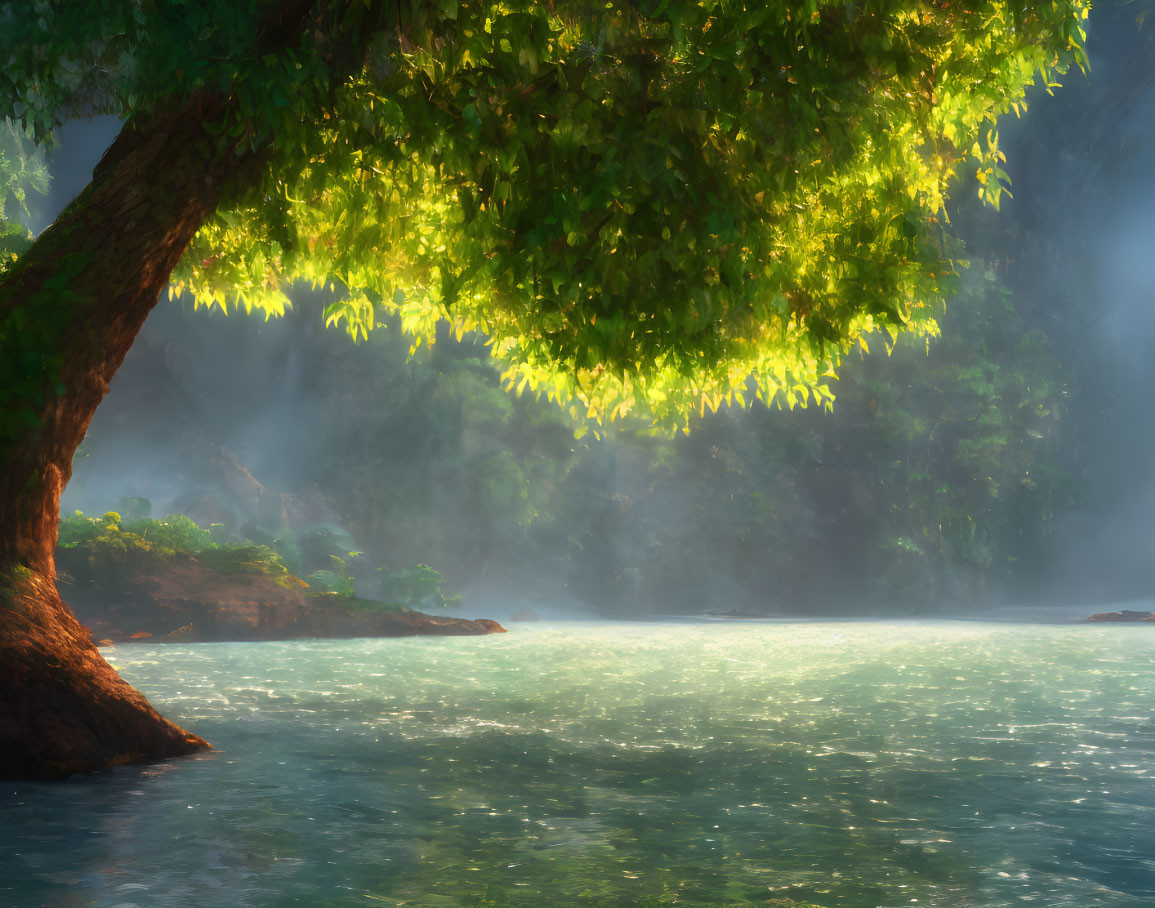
(21, 169)
(660, 203)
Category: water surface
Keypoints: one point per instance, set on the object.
(727, 763)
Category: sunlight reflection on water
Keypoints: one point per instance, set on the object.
(845, 764)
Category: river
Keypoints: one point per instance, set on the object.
(848, 764)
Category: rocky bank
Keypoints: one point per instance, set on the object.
(1123, 615)
(137, 595)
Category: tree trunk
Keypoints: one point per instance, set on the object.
(69, 311)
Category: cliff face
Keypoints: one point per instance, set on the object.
(142, 595)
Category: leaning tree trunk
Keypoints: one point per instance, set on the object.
(69, 311)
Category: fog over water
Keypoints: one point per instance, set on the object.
(1085, 201)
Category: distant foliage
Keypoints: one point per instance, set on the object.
(134, 508)
(973, 462)
(938, 477)
(337, 580)
(419, 586)
(174, 536)
(176, 532)
(240, 559)
(179, 536)
(77, 529)
(331, 582)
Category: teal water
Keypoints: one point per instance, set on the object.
(726, 763)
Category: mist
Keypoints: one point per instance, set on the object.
(413, 636)
(1084, 215)
(258, 425)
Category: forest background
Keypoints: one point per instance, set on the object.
(949, 477)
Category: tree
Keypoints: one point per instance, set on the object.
(643, 204)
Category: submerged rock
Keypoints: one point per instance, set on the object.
(737, 613)
(1123, 615)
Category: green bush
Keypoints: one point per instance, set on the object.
(176, 532)
(77, 528)
(171, 536)
(102, 531)
(243, 559)
(331, 582)
(416, 587)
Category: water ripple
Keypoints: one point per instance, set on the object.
(850, 765)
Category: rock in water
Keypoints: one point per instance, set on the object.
(1123, 615)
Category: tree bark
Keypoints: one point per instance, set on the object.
(69, 311)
